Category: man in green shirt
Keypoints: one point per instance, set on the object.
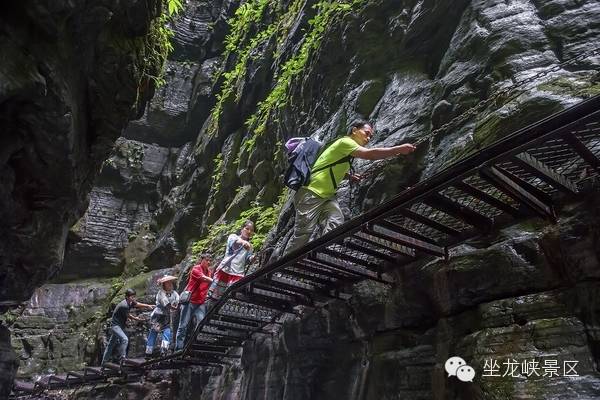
(316, 204)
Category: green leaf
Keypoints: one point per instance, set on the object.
(174, 6)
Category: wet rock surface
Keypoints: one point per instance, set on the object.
(120, 208)
(66, 326)
(525, 293)
(62, 107)
(147, 163)
(62, 328)
(71, 78)
(108, 241)
(164, 121)
(407, 72)
(56, 332)
(8, 362)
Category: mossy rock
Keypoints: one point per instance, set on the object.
(132, 152)
(243, 197)
(77, 228)
(139, 283)
(512, 118)
(141, 244)
(499, 388)
(474, 262)
(269, 193)
(572, 86)
(262, 172)
(369, 96)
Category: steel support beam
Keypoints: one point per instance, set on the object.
(352, 259)
(521, 191)
(582, 150)
(314, 280)
(429, 222)
(346, 267)
(489, 199)
(248, 318)
(215, 354)
(307, 290)
(264, 302)
(219, 341)
(336, 275)
(221, 333)
(458, 211)
(545, 173)
(388, 245)
(273, 294)
(237, 320)
(217, 324)
(408, 241)
(353, 245)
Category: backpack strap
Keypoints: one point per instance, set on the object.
(347, 159)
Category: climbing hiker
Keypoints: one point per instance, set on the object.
(315, 203)
(119, 320)
(167, 301)
(238, 255)
(193, 298)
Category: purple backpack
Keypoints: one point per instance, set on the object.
(292, 143)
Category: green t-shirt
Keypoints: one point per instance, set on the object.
(320, 181)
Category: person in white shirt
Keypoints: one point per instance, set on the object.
(238, 255)
(167, 301)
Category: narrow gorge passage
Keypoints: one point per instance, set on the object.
(129, 166)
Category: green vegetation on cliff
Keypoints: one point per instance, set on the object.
(249, 16)
(245, 16)
(327, 13)
(259, 33)
(217, 175)
(264, 217)
(574, 86)
(158, 42)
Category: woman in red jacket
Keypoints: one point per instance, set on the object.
(198, 283)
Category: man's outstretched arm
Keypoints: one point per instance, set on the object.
(133, 317)
(379, 153)
(144, 306)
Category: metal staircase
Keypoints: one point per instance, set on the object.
(530, 173)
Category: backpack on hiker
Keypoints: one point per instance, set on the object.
(302, 153)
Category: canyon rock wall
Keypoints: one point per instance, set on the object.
(207, 152)
(72, 75)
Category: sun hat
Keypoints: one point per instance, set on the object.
(166, 278)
